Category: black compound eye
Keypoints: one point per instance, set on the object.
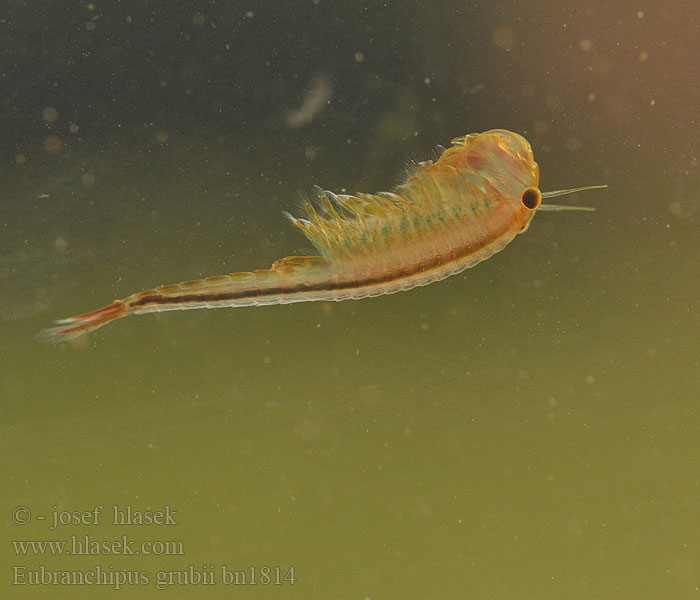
(531, 198)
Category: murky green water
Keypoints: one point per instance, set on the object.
(528, 429)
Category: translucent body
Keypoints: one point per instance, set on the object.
(448, 216)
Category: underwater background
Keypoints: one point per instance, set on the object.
(526, 429)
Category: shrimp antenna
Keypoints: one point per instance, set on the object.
(556, 193)
(559, 207)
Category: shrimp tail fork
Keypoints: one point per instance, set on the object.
(73, 327)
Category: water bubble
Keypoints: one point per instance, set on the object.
(503, 37)
(52, 144)
(49, 113)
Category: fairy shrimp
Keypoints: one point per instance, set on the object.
(449, 215)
